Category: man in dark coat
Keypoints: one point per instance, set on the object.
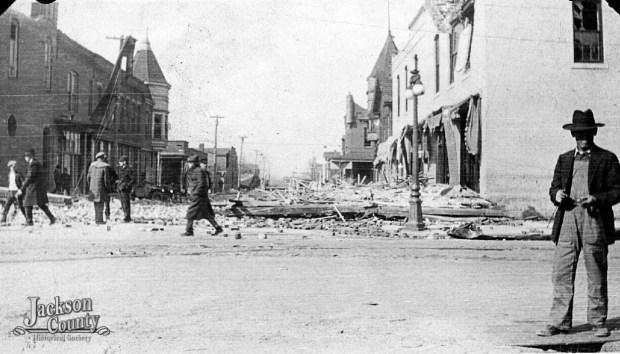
(34, 189)
(126, 180)
(98, 179)
(113, 179)
(15, 182)
(585, 186)
(199, 205)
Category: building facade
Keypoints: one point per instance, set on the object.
(500, 82)
(68, 103)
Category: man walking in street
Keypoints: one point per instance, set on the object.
(199, 207)
(585, 186)
(34, 189)
(98, 179)
(126, 180)
(15, 182)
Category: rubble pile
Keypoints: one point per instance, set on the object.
(433, 195)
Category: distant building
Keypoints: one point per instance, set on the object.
(68, 103)
(227, 176)
(355, 162)
(172, 162)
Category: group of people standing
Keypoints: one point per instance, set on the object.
(103, 180)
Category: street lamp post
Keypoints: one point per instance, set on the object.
(415, 89)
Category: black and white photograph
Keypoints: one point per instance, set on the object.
(296, 176)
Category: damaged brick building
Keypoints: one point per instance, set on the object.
(68, 102)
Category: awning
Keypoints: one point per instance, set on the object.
(384, 150)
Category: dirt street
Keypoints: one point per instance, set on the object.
(297, 291)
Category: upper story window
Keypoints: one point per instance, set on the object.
(13, 48)
(99, 92)
(138, 118)
(157, 125)
(398, 94)
(406, 85)
(460, 42)
(12, 126)
(90, 96)
(48, 64)
(587, 31)
(437, 67)
(72, 91)
(454, 48)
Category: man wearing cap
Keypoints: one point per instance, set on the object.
(585, 186)
(99, 183)
(34, 189)
(199, 207)
(15, 182)
(126, 180)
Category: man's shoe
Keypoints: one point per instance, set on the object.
(28, 224)
(187, 234)
(600, 331)
(52, 221)
(128, 220)
(218, 231)
(549, 331)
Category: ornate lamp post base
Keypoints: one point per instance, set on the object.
(415, 223)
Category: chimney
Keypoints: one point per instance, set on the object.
(201, 147)
(48, 12)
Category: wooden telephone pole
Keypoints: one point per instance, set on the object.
(215, 178)
(240, 163)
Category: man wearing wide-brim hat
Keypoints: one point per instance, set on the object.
(197, 191)
(585, 186)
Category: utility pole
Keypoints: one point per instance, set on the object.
(115, 113)
(240, 163)
(215, 178)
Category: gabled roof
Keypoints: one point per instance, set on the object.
(385, 57)
(146, 67)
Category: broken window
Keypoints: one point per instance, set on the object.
(12, 126)
(13, 41)
(587, 31)
(460, 42)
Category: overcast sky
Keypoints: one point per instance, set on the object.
(277, 70)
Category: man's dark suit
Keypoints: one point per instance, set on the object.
(34, 189)
(603, 184)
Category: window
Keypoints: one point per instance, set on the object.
(13, 46)
(12, 126)
(437, 68)
(138, 118)
(72, 93)
(398, 94)
(48, 64)
(406, 85)
(587, 31)
(157, 126)
(454, 48)
(99, 92)
(90, 97)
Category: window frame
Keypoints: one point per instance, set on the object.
(72, 91)
(578, 57)
(48, 52)
(14, 48)
(12, 126)
(437, 65)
